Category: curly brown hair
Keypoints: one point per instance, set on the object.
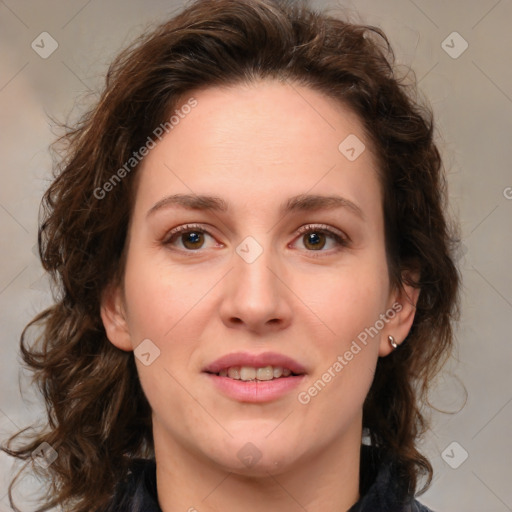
(98, 417)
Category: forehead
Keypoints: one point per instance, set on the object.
(265, 139)
(268, 115)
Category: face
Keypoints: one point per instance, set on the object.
(263, 275)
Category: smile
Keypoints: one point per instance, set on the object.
(248, 373)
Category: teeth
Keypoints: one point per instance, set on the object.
(234, 372)
(266, 373)
(247, 373)
(278, 371)
(250, 373)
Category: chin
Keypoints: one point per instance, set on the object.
(256, 456)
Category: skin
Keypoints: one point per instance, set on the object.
(255, 146)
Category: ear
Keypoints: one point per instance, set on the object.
(113, 315)
(403, 302)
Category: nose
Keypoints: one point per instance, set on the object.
(255, 295)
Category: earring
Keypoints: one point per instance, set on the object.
(392, 342)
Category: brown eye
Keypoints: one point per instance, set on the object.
(314, 240)
(192, 239)
(188, 238)
(322, 239)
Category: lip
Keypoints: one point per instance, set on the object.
(255, 361)
(255, 391)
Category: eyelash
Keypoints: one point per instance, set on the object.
(341, 241)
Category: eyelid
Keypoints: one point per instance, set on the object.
(325, 229)
(184, 229)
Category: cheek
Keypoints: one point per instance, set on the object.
(160, 307)
(348, 299)
(166, 306)
(349, 302)
(347, 348)
(159, 296)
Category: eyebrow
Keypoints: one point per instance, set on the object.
(303, 202)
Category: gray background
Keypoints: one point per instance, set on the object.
(472, 100)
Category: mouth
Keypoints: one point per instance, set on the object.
(246, 377)
(246, 366)
(251, 373)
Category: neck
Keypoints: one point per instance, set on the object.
(326, 481)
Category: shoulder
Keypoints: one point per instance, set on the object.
(416, 506)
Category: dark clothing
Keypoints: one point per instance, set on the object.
(380, 488)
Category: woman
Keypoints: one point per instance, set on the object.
(249, 236)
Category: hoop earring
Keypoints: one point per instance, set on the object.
(392, 342)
